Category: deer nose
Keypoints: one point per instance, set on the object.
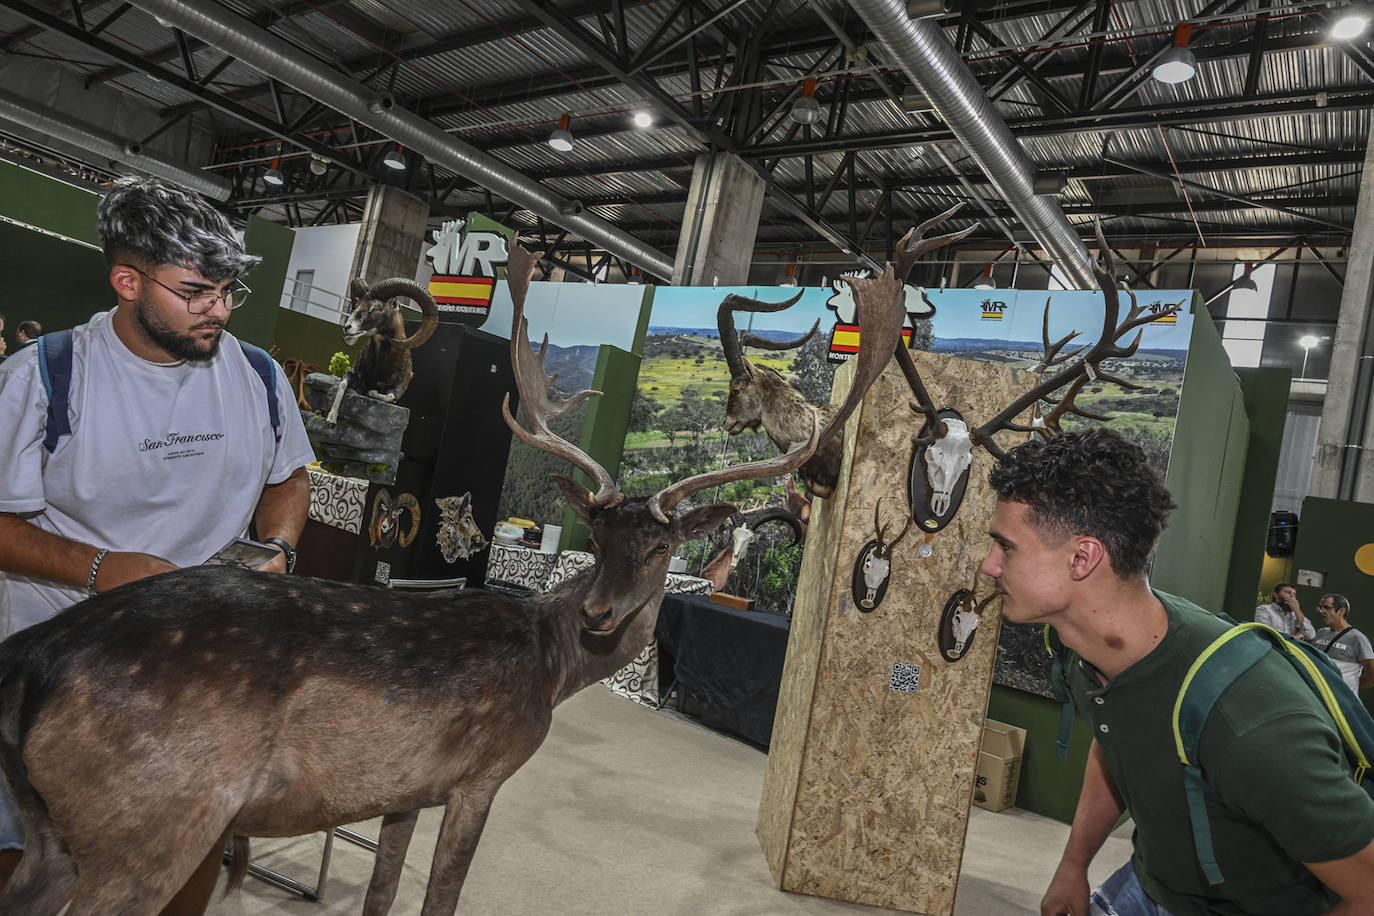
(598, 623)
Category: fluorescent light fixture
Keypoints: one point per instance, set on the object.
(561, 139)
(806, 110)
(1178, 64)
(643, 119)
(395, 159)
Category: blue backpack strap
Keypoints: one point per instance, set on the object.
(55, 369)
(266, 369)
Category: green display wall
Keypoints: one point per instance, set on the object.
(1328, 538)
(1266, 404)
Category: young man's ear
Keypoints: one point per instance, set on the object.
(1088, 555)
(126, 282)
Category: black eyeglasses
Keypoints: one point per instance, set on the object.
(1326, 607)
(201, 302)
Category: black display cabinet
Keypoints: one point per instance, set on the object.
(456, 443)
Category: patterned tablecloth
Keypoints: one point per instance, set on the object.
(638, 680)
(337, 501)
(520, 566)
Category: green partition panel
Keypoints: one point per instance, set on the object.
(1266, 405)
(256, 322)
(1206, 468)
(56, 282)
(1048, 786)
(603, 431)
(1330, 534)
(38, 200)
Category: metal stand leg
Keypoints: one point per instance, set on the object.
(313, 894)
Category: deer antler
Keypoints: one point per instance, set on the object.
(881, 530)
(914, 243)
(662, 504)
(878, 307)
(1084, 368)
(533, 384)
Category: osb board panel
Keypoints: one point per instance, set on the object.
(886, 778)
(809, 616)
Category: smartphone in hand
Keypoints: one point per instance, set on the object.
(243, 553)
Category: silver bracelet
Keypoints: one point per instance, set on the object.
(95, 568)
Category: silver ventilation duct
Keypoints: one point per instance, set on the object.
(59, 126)
(920, 48)
(231, 34)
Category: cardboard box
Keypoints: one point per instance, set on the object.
(999, 765)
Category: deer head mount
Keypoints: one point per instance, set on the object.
(873, 568)
(723, 564)
(761, 397)
(383, 370)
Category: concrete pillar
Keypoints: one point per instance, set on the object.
(1347, 403)
(722, 216)
(392, 234)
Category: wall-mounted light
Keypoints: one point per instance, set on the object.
(1178, 64)
(561, 139)
(1350, 22)
(806, 110)
(985, 281)
(395, 158)
(273, 176)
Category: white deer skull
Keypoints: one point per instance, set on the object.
(946, 459)
(965, 621)
(877, 565)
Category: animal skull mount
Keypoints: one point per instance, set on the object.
(959, 622)
(873, 568)
(939, 471)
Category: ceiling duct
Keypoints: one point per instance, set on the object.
(920, 48)
(130, 153)
(230, 34)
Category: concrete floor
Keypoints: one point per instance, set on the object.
(627, 810)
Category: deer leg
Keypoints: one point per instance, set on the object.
(194, 896)
(392, 844)
(464, 817)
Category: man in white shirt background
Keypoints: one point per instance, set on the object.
(1284, 614)
(1347, 647)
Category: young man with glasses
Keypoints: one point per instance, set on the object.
(1348, 647)
(172, 452)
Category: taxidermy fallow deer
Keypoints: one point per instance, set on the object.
(383, 370)
(141, 729)
(761, 397)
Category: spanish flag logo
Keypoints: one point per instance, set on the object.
(1171, 318)
(470, 291)
(844, 342)
(992, 315)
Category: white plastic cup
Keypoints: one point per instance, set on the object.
(549, 543)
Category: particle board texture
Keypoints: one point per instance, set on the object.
(867, 790)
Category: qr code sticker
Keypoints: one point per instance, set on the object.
(905, 678)
(383, 573)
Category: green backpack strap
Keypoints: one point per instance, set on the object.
(1215, 668)
(1059, 682)
(1211, 673)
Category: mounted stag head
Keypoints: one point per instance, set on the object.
(383, 370)
(1084, 365)
(760, 397)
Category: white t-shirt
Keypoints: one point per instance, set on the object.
(166, 460)
(1353, 648)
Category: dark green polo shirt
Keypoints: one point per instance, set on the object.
(1284, 792)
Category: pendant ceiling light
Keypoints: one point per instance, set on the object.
(561, 139)
(806, 110)
(1178, 64)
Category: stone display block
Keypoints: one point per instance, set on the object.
(366, 440)
(871, 770)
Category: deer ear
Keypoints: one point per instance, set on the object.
(578, 496)
(702, 521)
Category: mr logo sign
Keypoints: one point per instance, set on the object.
(465, 271)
